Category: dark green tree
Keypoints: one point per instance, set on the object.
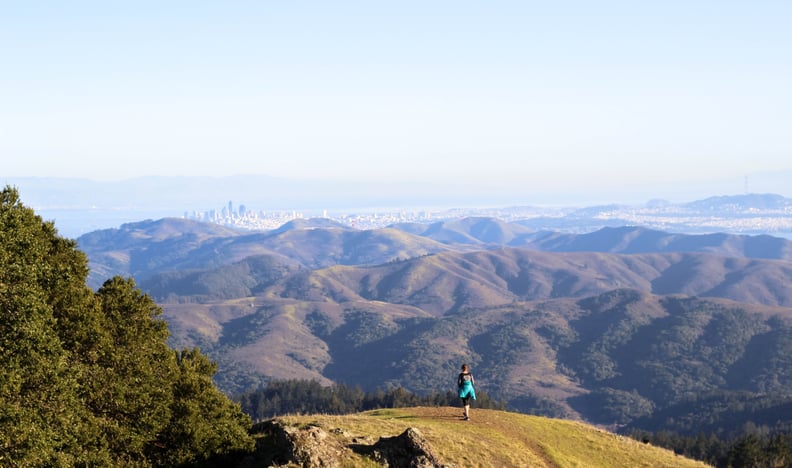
(88, 378)
(206, 428)
(747, 452)
(131, 386)
(41, 419)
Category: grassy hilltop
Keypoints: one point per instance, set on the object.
(491, 438)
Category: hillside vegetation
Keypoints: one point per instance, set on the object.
(88, 378)
(491, 438)
(147, 248)
(624, 327)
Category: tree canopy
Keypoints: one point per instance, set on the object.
(88, 377)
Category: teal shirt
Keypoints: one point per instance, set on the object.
(465, 385)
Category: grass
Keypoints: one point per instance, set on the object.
(495, 439)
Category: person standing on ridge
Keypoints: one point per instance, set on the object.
(465, 383)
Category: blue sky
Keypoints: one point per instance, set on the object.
(522, 96)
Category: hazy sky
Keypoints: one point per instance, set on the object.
(551, 95)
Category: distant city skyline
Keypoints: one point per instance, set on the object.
(79, 206)
(610, 100)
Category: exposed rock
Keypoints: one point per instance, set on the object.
(409, 449)
(307, 446)
(312, 446)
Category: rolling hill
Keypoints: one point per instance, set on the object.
(449, 281)
(620, 326)
(436, 437)
(145, 249)
(472, 230)
(609, 358)
(632, 239)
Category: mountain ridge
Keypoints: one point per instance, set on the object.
(449, 280)
(146, 248)
(564, 331)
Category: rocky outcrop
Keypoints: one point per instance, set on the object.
(409, 449)
(307, 446)
(312, 446)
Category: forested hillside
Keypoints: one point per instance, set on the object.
(88, 377)
(625, 327)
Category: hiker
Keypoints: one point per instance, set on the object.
(466, 391)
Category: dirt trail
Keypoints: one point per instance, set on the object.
(489, 419)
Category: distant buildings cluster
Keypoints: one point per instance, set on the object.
(243, 218)
(746, 220)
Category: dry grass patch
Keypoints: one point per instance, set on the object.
(495, 439)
